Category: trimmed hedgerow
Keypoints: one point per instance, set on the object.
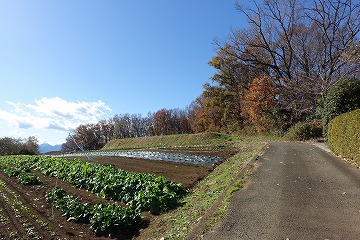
(344, 135)
(305, 130)
(343, 97)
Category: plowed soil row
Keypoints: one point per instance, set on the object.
(31, 211)
(185, 173)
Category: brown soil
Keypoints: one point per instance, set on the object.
(185, 173)
(32, 209)
(31, 217)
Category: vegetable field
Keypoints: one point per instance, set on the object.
(116, 196)
(39, 195)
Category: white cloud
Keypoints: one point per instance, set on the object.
(17, 133)
(53, 113)
(58, 107)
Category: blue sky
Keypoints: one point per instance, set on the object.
(65, 63)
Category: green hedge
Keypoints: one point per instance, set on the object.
(344, 135)
(302, 131)
(342, 97)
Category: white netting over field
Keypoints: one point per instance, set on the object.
(164, 156)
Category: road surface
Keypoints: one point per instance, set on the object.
(298, 192)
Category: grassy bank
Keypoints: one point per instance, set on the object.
(172, 141)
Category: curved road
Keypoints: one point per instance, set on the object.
(298, 192)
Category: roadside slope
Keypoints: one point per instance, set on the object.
(298, 192)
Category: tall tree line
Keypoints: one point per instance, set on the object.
(18, 146)
(278, 71)
(96, 135)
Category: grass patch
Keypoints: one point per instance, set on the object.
(222, 182)
(197, 140)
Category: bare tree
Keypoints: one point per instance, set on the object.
(338, 25)
(106, 127)
(302, 45)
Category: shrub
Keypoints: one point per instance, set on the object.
(305, 130)
(344, 135)
(343, 97)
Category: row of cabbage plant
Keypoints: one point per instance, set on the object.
(104, 218)
(140, 192)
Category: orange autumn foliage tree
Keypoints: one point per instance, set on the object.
(259, 100)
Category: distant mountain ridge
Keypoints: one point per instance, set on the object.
(45, 147)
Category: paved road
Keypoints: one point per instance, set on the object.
(298, 192)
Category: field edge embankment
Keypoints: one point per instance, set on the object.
(195, 140)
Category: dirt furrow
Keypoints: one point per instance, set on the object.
(48, 220)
